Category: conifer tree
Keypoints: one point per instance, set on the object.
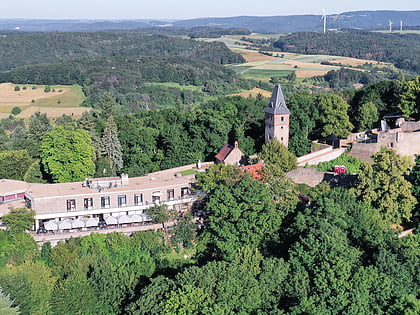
(110, 146)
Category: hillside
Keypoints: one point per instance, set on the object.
(401, 49)
(129, 78)
(25, 49)
(366, 20)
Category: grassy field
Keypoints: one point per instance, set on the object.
(31, 98)
(263, 66)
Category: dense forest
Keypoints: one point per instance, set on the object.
(33, 48)
(256, 250)
(403, 50)
(128, 79)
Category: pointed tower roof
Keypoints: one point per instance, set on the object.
(277, 105)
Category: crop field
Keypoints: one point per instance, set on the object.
(31, 98)
(254, 92)
(262, 67)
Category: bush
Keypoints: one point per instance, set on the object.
(33, 101)
(16, 110)
(47, 89)
(34, 88)
(17, 88)
(24, 88)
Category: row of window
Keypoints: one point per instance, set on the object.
(122, 200)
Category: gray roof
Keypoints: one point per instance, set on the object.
(277, 105)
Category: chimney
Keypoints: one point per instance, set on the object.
(236, 144)
(124, 179)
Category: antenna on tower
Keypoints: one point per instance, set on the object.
(324, 17)
(400, 26)
(390, 25)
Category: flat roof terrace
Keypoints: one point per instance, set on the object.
(148, 182)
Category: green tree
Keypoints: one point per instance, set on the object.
(161, 214)
(384, 187)
(16, 110)
(6, 305)
(410, 97)
(14, 164)
(110, 146)
(67, 154)
(19, 219)
(39, 125)
(16, 247)
(367, 116)
(302, 121)
(34, 174)
(184, 231)
(240, 209)
(277, 159)
(333, 117)
(30, 285)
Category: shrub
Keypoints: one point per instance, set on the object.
(47, 89)
(17, 88)
(16, 110)
(24, 88)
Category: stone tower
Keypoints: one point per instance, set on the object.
(277, 118)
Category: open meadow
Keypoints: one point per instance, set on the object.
(31, 98)
(264, 65)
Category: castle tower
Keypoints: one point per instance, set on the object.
(277, 118)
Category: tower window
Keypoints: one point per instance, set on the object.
(282, 118)
(281, 138)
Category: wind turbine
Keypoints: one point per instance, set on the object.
(324, 17)
(390, 25)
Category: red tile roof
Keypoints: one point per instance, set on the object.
(254, 170)
(224, 152)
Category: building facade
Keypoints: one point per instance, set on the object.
(114, 200)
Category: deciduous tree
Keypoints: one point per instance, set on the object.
(384, 187)
(67, 154)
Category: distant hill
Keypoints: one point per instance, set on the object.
(33, 48)
(365, 20)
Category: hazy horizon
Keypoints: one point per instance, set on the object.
(185, 9)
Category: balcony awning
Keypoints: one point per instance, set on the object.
(92, 222)
(64, 225)
(111, 220)
(124, 219)
(76, 224)
(51, 225)
(135, 218)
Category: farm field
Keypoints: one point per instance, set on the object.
(263, 67)
(31, 98)
(254, 92)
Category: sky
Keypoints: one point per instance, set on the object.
(187, 9)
